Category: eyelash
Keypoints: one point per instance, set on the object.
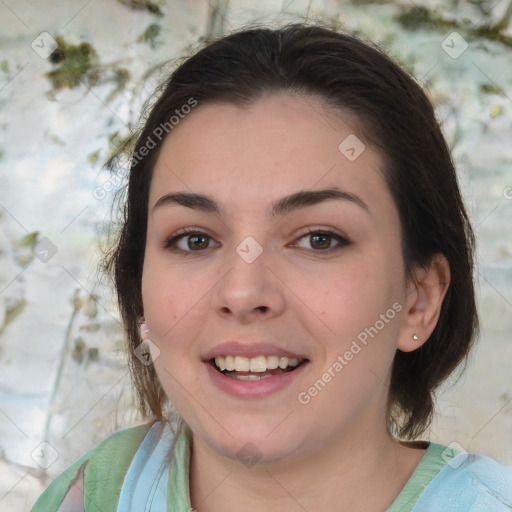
(170, 243)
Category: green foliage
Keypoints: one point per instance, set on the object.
(79, 64)
(93, 157)
(144, 5)
(119, 143)
(150, 36)
(74, 64)
(418, 17)
(29, 240)
(78, 352)
(490, 89)
(120, 78)
(12, 313)
(93, 354)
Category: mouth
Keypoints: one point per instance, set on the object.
(255, 368)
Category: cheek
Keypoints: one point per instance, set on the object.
(355, 303)
(351, 292)
(168, 300)
(172, 310)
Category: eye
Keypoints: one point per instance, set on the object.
(188, 241)
(321, 240)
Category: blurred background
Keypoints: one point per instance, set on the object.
(73, 78)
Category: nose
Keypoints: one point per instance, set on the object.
(248, 290)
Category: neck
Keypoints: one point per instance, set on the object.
(359, 470)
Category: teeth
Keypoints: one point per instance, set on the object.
(229, 361)
(272, 362)
(257, 364)
(249, 377)
(242, 364)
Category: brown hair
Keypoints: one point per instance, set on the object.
(396, 117)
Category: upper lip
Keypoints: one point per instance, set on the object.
(252, 349)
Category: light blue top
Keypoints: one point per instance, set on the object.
(469, 483)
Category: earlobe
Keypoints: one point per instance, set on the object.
(143, 329)
(424, 302)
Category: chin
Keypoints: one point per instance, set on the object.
(253, 442)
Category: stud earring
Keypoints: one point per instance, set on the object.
(414, 337)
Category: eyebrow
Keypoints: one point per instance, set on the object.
(287, 204)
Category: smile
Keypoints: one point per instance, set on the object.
(255, 368)
(257, 364)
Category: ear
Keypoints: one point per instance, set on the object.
(425, 295)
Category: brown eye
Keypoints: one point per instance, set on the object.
(190, 241)
(197, 242)
(323, 240)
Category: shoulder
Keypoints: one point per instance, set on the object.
(101, 468)
(468, 481)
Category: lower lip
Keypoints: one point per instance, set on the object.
(254, 388)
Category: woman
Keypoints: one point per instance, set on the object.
(294, 274)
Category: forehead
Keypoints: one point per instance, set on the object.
(248, 156)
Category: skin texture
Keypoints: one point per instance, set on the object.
(295, 295)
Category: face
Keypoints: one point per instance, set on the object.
(258, 276)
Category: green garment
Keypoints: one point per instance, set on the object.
(105, 467)
(107, 464)
(435, 459)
